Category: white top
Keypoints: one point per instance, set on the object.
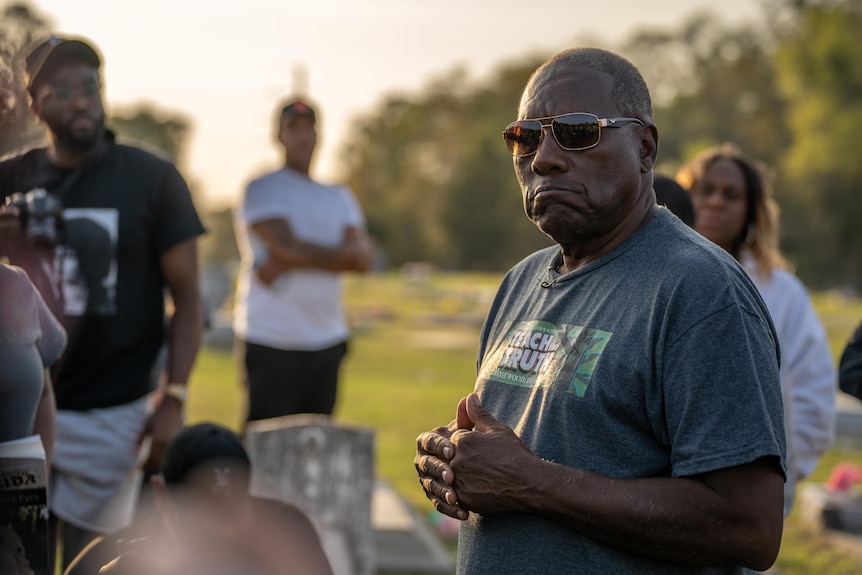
(302, 309)
(808, 377)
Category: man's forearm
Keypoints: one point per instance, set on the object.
(290, 252)
(184, 338)
(46, 413)
(682, 520)
(305, 255)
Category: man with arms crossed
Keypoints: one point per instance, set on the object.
(627, 412)
(295, 236)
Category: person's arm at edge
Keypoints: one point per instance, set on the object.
(730, 516)
(850, 365)
(45, 423)
(51, 346)
(180, 269)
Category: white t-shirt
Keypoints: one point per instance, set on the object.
(808, 378)
(302, 309)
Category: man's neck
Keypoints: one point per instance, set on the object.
(298, 171)
(574, 258)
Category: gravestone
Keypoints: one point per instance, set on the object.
(837, 517)
(327, 469)
(822, 508)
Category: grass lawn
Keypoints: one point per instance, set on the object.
(413, 356)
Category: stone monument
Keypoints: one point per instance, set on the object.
(327, 469)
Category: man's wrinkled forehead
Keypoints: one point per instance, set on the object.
(556, 84)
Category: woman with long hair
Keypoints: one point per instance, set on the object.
(734, 209)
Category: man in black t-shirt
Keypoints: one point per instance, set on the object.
(104, 229)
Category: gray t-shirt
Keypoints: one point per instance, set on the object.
(657, 360)
(31, 339)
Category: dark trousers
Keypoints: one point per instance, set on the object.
(282, 382)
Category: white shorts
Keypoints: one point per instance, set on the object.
(96, 468)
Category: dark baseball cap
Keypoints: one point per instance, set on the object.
(200, 445)
(296, 108)
(52, 53)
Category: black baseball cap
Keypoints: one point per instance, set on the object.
(296, 108)
(50, 54)
(203, 443)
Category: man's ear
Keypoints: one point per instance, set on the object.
(649, 147)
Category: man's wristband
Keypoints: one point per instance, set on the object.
(177, 391)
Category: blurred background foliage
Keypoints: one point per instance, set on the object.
(437, 185)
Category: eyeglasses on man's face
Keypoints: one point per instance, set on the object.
(574, 131)
(65, 92)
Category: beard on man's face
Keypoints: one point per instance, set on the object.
(78, 139)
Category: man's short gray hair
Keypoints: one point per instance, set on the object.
(630, 92)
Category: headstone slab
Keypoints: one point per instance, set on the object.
(326, 468)
(839, 511)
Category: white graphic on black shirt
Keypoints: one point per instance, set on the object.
(89, 273)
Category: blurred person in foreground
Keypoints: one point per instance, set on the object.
(103, 230)
(627, 411)
(205, 520)
(31, 342)
(735, 210)
(296, 236)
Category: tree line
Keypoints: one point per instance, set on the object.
(437, 185)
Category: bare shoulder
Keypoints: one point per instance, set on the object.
(285, 536)
(280, 515)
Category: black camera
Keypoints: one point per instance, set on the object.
(41, 216)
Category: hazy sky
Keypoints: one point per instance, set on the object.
(225, 64)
